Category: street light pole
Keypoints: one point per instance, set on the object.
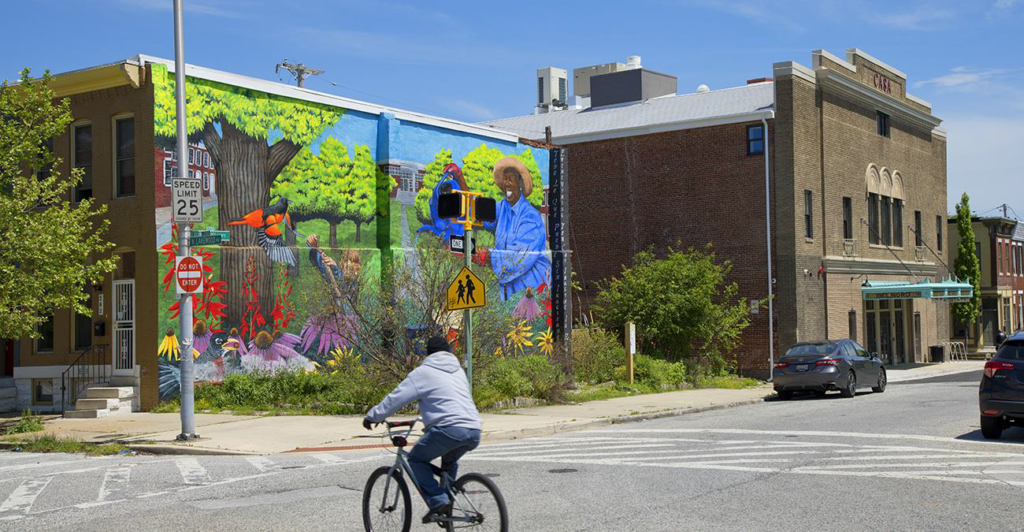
(188, 415)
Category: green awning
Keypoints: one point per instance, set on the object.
(926, 289)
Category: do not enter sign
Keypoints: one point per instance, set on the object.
(189, 275)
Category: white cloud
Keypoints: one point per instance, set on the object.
(1005, 4)
(962, 76)
(469, 111)
(765, 12)
(410, 49)
(215, 8)
(920, 19)
(982, 154)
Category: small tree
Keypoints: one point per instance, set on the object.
(45, 241)
(682, 307)
(967, 267)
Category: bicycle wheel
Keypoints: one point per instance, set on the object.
(388, 511)
(479, 498)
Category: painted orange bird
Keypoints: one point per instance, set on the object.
(268, 219)
(268, 236)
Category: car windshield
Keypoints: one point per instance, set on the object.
(811, 349)
(1012, 350)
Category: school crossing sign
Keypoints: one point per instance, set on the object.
(466, 291)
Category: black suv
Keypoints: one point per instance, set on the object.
(1001, 395)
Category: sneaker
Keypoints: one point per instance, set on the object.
(437, 514)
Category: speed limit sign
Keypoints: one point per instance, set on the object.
(186, 200)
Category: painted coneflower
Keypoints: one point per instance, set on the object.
(169, 346)
(332, 329)
(267, 353)
(201, 335)
(527, 308)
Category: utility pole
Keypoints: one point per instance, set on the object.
(300, 71)
(188, 414)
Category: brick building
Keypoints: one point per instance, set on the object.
(854, 166)
(998, 244)
(200, 165)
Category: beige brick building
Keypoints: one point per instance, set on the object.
(856, 176)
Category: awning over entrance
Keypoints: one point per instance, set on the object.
(926, 289)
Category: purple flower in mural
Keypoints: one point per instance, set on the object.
(332, 329)
(527, 308)
(201, 335)
(271, 353)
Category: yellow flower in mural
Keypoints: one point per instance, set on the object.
(520, 337)
(546, 342)
(340, 359)
(169, 346)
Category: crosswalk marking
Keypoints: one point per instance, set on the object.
(115, 483)
(328, 458)
(262, 463)
(192, 472)
(25, 495)
(598, 448)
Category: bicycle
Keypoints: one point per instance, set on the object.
(477, 502)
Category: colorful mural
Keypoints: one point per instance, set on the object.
(317, 200)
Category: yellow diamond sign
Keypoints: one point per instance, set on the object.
(466, 291)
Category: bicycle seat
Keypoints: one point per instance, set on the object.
(394, 424)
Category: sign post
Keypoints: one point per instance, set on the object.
(630, 348)
(191, 210)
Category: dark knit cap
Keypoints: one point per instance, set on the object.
(437, 343)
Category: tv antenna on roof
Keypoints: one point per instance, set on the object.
(300, 71)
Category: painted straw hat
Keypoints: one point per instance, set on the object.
(518, 166)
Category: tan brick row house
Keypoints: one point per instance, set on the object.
(856, 174)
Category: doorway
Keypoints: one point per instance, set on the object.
(124, 327)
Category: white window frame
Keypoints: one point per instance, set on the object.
(191, 156)
(206, 159)
(113, 155)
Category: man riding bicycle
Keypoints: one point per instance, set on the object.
(451, 420)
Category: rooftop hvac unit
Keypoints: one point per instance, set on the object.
(552, 89)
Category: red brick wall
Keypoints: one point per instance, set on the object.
(693, 186)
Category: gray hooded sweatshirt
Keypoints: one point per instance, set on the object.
(441, 387)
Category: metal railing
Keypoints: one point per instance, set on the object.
(846, 247)
(91, 367)
(955, 351)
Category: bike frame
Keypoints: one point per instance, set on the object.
(401, 462)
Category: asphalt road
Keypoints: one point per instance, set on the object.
(909, 459)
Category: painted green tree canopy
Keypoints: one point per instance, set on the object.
(478, 171)
(254, 113)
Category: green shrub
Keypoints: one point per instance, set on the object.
(595, 353)
(526, 376)
(653, 372)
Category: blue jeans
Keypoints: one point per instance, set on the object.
(447, 443)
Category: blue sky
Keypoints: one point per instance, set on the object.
(476, 60)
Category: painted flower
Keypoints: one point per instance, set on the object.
(269, 353)
(169, 346)
(201, 335)
(520, 338)
(546, 342)
(527, 308)
(332, 329)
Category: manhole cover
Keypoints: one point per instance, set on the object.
(562, 470)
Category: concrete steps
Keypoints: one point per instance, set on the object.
(103, 401)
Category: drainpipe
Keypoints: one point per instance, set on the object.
(768, 241)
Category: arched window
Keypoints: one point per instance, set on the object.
(874, 185)
(897, 209)
(886, 201)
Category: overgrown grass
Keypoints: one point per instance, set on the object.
(53, 444)
(27, 423)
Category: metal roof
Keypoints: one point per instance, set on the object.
(666, 113)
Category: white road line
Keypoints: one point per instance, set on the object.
(821, 433)
(929, 464)
(599, 448)
(919, 457)
(562, 442)
(115, 483)
(684, 451)
(873, 449)
(24, 496)
(901, 475)
(191, 471)
(49, 464)
(262, 463)
(329, 458)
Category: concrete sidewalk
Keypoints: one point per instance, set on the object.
(910, 372)
(228, 434)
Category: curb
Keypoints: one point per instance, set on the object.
(173, 449)
(951, 371)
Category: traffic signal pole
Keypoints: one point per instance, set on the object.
(188, 415)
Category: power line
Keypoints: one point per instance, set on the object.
(300, 71)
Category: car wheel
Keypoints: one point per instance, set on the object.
(820, 393)
(784, 395)
(881, 381)
(991, 427)
(851, 386)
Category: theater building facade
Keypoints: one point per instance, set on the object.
(834, 164)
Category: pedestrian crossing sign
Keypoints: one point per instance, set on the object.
(466, 291)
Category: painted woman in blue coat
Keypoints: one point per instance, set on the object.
(519, 256)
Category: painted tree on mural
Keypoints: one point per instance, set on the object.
(477, 169)
(315, 185)
(360, 190)
(251, 137)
